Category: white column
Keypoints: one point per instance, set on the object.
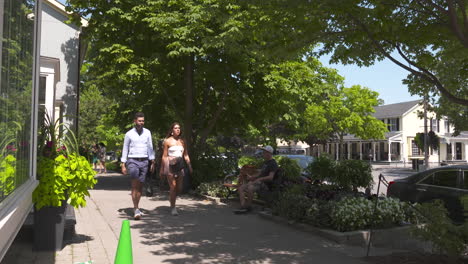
(402, 151)
(453, 150)
(318, 149)
(349, 150)
(389, 151)
(466, 152)
(360, 150)
(373, 151)
(337, 151)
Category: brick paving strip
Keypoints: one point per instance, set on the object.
(94, 241)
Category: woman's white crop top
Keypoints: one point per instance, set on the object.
(175, 151)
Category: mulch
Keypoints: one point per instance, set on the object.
(414, 258)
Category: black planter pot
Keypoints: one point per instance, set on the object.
(49, 225)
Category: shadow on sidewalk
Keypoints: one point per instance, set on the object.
(114, 182)
(207, 232)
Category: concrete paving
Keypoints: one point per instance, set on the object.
(204, 232)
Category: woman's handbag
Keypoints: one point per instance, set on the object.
(176, 164)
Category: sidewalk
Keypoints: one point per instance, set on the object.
(204, 232)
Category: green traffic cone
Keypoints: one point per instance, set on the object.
(124, 249)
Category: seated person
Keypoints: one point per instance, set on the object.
(257, 181)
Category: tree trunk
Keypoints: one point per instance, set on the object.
(189, 94)
(426, 146)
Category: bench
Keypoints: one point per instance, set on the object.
(267, 195)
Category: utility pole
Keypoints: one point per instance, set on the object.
(426, 145)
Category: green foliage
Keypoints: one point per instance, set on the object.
(294, 205)
(433, 140)
(436, 227)
(346, 174)
(113, 166)
(292, 170)
(409, 33)
(62, 173)
(214, 189)
(250, 160)
(208, 168)
(65, 177)
(353, 174)
(323, 168)
(7, 175)
(357, 213)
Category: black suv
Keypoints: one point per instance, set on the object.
(447, 183)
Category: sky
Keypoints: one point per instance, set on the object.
(384, 77)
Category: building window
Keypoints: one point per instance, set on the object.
(415, 151)
(434, 125)
(393, 124)
(15, 94)
(447, 126)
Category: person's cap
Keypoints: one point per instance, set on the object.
(267, 149)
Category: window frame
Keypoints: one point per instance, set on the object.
(458, 180)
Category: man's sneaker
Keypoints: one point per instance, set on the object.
(138, 214)
(243, 210)
(174, 211)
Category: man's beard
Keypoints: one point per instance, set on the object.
(139, 127)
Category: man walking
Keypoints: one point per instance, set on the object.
(136, 154)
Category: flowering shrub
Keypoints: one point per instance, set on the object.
(357, 213)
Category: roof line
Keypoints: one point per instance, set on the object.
(61, 8)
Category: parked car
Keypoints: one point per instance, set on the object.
(447, 183)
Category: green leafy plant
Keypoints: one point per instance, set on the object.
(61, 178)
(249, 160)
(323, 168)
(215, 189)
(294, 205)
(292, 170)
(7, 175)
(435, 226)
(351, 174)
(433, 140)
(62, 173)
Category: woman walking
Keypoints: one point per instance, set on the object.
(174, 159)
(102, 158)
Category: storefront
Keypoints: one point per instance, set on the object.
(18, 115)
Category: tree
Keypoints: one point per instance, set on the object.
(199, 62)
(347, 112)
(96, 119)
(417, 35)
(432, 138)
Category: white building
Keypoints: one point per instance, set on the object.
(403, 121)
(40, 59)
(61, 54)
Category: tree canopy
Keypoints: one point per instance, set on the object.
(428, 38)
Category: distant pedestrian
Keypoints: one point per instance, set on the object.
(137, 152)
(94, 156)
(102, 158)
(174, 159)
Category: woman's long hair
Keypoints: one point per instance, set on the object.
(169, 133)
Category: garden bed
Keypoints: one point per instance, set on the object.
(395, 237)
